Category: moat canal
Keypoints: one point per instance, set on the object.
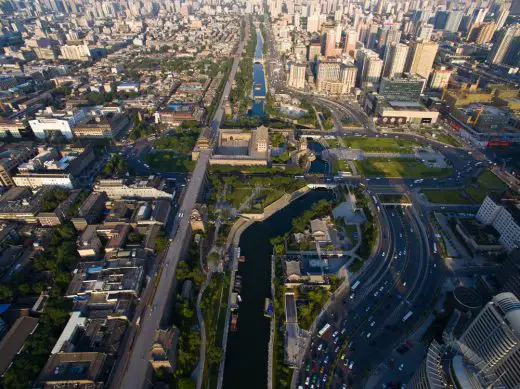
(246, 355)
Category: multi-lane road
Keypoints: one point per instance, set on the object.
(133, 365)
(367, 323)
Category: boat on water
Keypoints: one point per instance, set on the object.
(241, 259)
(234, 322)
(239, 298)
(268, 308)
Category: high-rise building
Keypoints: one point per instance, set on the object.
(335, 77)
(424, 31)
(482, 33)
(515, 7)
(348, 78)
(421, 55)
(505, 48)
(313, 23)
(453, 21)
(494, 339)
(430, 374)
(441, 17)
(395, 59)
(371, 66)
(351, 37)
(314, 50)
(330, 41)
(403, 88)
(440, 78)
(502, 17)
(297, 75)
(387, 36)
(77, 51)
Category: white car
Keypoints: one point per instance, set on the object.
(401, 367)
(369, 335)
(372, 324)
(351, 365)
(307, 381)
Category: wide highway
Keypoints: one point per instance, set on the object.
(368, 321)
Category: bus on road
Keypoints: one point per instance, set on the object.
(356, 284)
(407, 316)
(325, 328)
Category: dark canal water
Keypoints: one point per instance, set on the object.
(246, 355)
(318, 166)
(259, 87)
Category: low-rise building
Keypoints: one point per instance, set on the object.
(11, 128)
(139, 188)
(90, 211)
(50, 168)
(101, 127)
(19, 204)
(236, 147)
(11, 158)
(73, 369)
(51, 122)
(89, 244)
(14, 339)
(110, 282)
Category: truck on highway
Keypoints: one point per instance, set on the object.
(418, 181)
(407, 316)
(324, 330)
(356, 284)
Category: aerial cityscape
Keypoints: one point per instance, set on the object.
(259, 194)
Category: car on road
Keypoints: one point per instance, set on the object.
(367, 309)
(401, 367)
(307, 381)
(369, 335)
(351, 365)
(372, 324)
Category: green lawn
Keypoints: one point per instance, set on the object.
(238, 195)
(448, 139)
(385, 145)
(343, 166)
(333, 143)
(488, 180)
(449, 196)
(394, 198)
(399, 168)
(350, 229)
(169, 161)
